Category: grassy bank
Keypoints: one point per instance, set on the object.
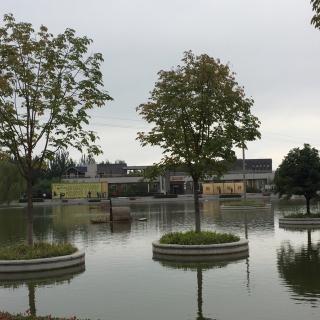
(197, 238)
(8, 316)
(38, 250)
(303, 215)
(244, 203)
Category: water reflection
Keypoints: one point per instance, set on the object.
(200, 268)
(299, 267)
(33, 280)
(119, 266)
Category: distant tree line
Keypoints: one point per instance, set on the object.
(13, 186)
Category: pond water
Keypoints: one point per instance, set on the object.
(279, 280)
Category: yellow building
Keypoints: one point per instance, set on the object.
(78, 190)
(215, 188)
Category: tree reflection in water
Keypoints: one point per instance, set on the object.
(300, 269)
(33, 280)
(199, 267)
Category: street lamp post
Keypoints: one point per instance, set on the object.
(244, 173)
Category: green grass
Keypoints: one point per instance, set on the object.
(303, 215)
(244, 203)
(195, 238)
(38, 250)
(8, 316)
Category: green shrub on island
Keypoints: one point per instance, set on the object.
(37, 251)
(303, 215)
(245, 203)
(9, 316)
(197, 238)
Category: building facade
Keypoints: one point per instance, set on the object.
(124, 180)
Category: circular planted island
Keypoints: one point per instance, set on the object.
(300, 220)
(204, 246)
(39, 257)
(245, 205)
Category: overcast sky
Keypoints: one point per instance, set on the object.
(270, 44)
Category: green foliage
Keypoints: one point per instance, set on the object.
(199, 113)
(197, 238)
(58, 164)
(9, 316)
(38, 250)
(87, 159)
(253, 203)
(12, 183)
(299, 173)
(47, 86)
(316, 9)
(303, 215)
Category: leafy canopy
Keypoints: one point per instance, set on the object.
(299, 173)
(316, 9)
(199, 113)
(47, 86)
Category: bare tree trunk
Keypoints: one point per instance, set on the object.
(29, 212)
(196, 204)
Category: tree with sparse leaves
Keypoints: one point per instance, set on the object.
(199, 113)
(47, 86)
(299, 173)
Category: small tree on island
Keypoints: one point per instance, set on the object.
(199, 113)
(47, 86)
(299, 173)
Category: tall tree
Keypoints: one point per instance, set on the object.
(299, 173)
(87, 159)
(57, 165)
(199, 113)
(12, 183)
(47, 86)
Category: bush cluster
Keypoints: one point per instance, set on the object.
(245, 203)
(38, 250)
(9, 316)
(197, 238)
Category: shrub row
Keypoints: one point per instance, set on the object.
(303, 215)
(8, 316)
(38, 250)
(245, 203)
(197, 238)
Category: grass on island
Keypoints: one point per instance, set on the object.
(303, 215)
(197, 238)
(245, 203)
(8, 316)
(38, 250)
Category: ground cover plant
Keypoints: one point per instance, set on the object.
(38, 250)
(303, 215)
(245, 203)
(8, 316)
(197, 238)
